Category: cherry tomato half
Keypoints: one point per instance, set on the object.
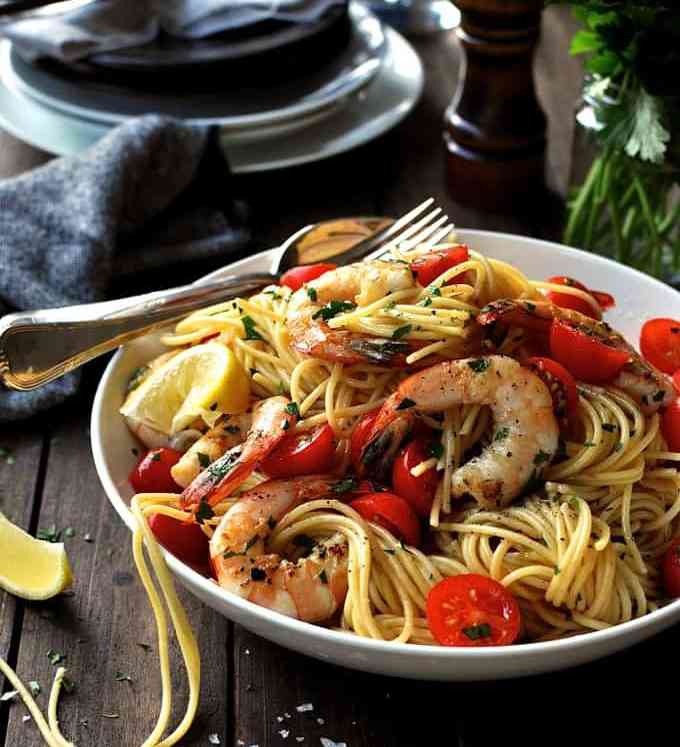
(418, 491)
(302, 454)
(296, 277)
(472, 610)
(433, 264)
(560, 382)
(152, 472)
(670, 566)
(670, 425)
(567, 301)
(359, 435)
(584, 356)
(660, 344)
(391, 512)
(185, 541)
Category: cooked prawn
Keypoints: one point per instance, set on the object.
(228, 432)
(355, 285)
(310, 589)
(638, 378)
(272, 417)
(526, 431)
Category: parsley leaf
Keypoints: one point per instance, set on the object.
(405, 404)
(204, 512)
(475, 632)
(345, 486)
(292, 408)
(402, 331)
(541, 457)
(333, 308)
(203, 459)
(311, 292)
(502, 433)
(479, 365)
(249, 328)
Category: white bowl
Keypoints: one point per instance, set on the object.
(638, 297)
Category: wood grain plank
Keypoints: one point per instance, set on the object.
(19, 487)
(100, 626)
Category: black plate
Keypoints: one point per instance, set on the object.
(266, 51)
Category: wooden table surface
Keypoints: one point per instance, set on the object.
(250, 688)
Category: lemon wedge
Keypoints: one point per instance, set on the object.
(202, 381)
(31, 568)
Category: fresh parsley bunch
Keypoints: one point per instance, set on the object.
(625, 206)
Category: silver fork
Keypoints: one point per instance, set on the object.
(41, 345)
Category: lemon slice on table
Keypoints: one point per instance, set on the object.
(202, 381)
(31, 568)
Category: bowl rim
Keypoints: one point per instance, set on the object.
(188, 577)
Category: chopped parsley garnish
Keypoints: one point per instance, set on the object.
(426, 302)
(405, 404)
(541, 457)
(333, 308)
(475, 632)
(589, 444)
(402, 331)
(51, 534)
(436, 291)
(257, 574)
(390, 551)
(311, 292)
(502, 433)
(436, 450)
(275, 296)
(557, 570)
(609, 427)
(249, 328)
(204, 512)
(156, 456)
(68, 684)
(222, 467)
(136, 377)
(479, 365)
(251, 542)
(55, 657)
(345, 486)
(292, 408)
(203, 459)
(658, 396)
(323, 577)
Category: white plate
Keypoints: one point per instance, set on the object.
(638, 297)
(388, 98)
(235, 108)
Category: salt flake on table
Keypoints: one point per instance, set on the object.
(304, 708)
(299, 739)
(8, 695)
(320, 721)
(214, 739)
(284, 733)
(279, 719)
(25, 718)
(326, 742)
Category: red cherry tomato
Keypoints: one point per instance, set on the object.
(418, 491)
(584, 356)
(561, 384)
(660, 344)
(152, 472)
(359, 435)
(670, 425)
(391, 512)
(185, 541)
(433, 264)
(670, 567)
(472, 610)
(302, 454)
(296, 277)
(567, 301)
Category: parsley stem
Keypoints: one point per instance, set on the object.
(651, 224)
(580, 203)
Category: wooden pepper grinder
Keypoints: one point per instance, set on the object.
(494, 127)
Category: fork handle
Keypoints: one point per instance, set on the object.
(39, 346)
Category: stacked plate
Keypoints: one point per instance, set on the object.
(367, 87)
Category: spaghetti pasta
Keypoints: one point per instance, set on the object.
(580, 552)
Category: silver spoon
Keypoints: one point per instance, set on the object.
(41, 345)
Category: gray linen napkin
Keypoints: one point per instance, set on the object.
(106, 25)
(154, 191)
